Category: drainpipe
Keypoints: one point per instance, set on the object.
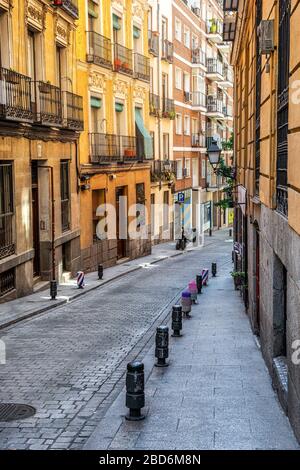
(158, 78)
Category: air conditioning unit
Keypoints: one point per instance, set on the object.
(266, 37)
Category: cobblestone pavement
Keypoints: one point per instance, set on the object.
(216, 393)
(70, 363)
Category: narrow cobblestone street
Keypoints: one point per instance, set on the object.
(70, 364)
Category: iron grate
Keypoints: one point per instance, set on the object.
(15, 411)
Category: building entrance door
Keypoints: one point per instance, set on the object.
(121, 222)
(35, 218)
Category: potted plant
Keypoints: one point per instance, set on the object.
(125, 66)
(117, 64)
(129, 153)
(213, 26)
(12, 77)
(172, 115)
(45, 87)
(239, 278)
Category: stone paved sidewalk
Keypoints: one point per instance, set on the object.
(40, 302)
(215, 394)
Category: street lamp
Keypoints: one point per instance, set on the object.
(214, 154)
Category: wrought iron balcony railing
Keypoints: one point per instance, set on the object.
(214, 66)
(99, 49)
(163, 170)
(123, 59)
(112, 148)
(214, 105)
(48, 102)
(153, 43)
(198, 56)
(167, 51)
(15, 96)
(154, 104)
(168, 108)
(7, 246)
(198, 99)
(227, 73)
(142, 67)
(70, 6)
(73, 111)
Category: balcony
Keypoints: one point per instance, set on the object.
(141, 67)
(15, 96)
(7, 246)
(154, 104)
(168, 108)
(214, 69)
(123, 59)
(153, 43)
(214, 29)
(199, 101)
(48, 104)
(227, 80)
(199, 56)
(73, 111)
(70, 6)
(214, 107)
(198, 140)
(227, 111)
(99, 50)
(112, 148)
(167, 51)
(163, 170)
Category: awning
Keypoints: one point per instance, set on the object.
(116, 24)
(136, 32)
(96, 102)
(119, 107)
(148, 143)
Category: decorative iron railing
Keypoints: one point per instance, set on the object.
(48, 104)
(15, 96)
(123, 59)
(142, 67)
(99, 49)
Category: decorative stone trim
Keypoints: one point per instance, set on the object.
(120, 89)
(62, 32)
(35, 14)
(97, 81)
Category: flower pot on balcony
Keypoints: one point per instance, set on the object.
(172, 115)
(125, 66)
(117, 64)
(129, 153)
(45, 88)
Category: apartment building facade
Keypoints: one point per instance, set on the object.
(40, 123)
(203, 106)
(116, 147)
(162, 114)
(268, 176)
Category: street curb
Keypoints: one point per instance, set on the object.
(60, 303)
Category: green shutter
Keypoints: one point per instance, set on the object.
(116, 20)
(91, 10)
(136, 32)
(96, 102)
(119, 107)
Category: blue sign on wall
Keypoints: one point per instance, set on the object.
(180, 197)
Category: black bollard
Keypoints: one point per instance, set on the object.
(230, 232)
(210, 232)
(135, 393)
(199, 283)
(177, 320)
(214, 269)
(53, 290)
(100, 272)
(162, 346)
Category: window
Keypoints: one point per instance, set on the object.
(65, 195)
(179, 169)
(166, 211)
(61, 72)
(187, 37)
(152, 135)
(187, 167)
(166, 146)
(178, 78)
(98, 200)
(140, 199)
(186, 82)
(178, 29)
(187, 125)
(203, 170)
(195, 42)
(7, 282)
(97, 123)
(4, 43)
(93, 19)
(178, 123)
(7, 247)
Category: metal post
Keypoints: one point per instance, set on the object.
(135, 393)
(214, 269)
(100, 272)
(162, 346)
(176, 320)
(199, 283)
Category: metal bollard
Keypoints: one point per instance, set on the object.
(176, 320)
(53, 290)
(100, 272)
(205, 275)
(199, 283)
(80, 279)
(230, 232)
(186, 302)
(214, 269)
(135, 393)
(162, 346)
(193, 291)
(210, 232)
